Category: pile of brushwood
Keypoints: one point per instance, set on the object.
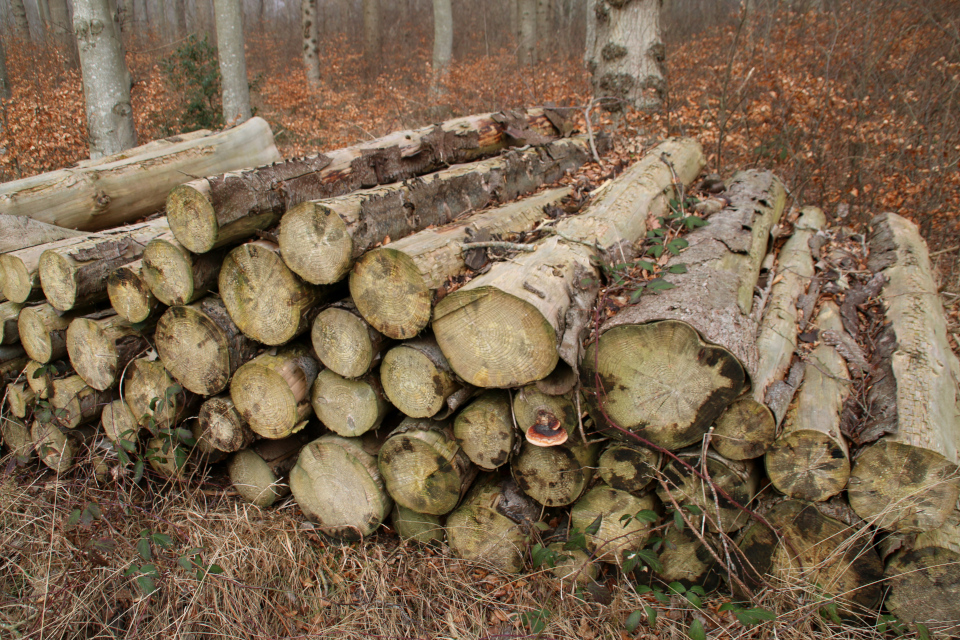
(691, 381)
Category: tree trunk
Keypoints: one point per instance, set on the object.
(442, 42)
(223, 425)
(349, 408)
(420, 527)
(625, 53)
(372, 53)
(266, 300)
(546, 32)
(19, 232)
(628, 467)
(511, 325)
(101, 349)
(417, 379)
(272, 391)
(907, 480)
(234, 87)
(21, 27)
(213, 212)
(345, 342)
(394, 285)
(20, 399)
(119, 425)
(810, 460)
(555, 476)
(106, 81)
(527, 45)
(43, 332)
(127, 187)
(5, 91)
(129, 294)
(153, 396)
(617, 535)
(484, 429)
(9, 319)
(311, 49)
(176, 276)
(64, 31)
(201, 346)
(75, 275)
(338, 485)
(424, 468)
(492, 524)
(700, 336)
(75, 402)
(259, 473)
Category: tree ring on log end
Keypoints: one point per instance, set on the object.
(264, 399)
(745, 430)
(192, 219)
(93, 355)
(628, 467)
(315, 243)
(17, 280)
(390, 293)
(168, 273)
(194, 350)
(58, 278)
(494, 339)
(414, 383)
(808, 465)
(662, 381)
(925, 585)
(342, 342)
(42, 333)
(349, 408)
(129, 295)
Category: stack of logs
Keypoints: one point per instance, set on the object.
(396, 329)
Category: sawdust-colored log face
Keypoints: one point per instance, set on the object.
(176, 276)
(417, 378)
(746, 429)
(345, 342)
(485, 431)
(259, 474)
(338, 485)
(661, 381)
(347, 407)
(210, 213)
(19, 270)
(420, 527)
(59, 448)
(223, 425)
(101, 349)
(39, 378)
(43, 332)
(166, 457)
(9, 316)
(739, 479)
(75, 402)
(201, 346)
(129, 294)
(16, 435)
(555, 476)
(816, 552)
(530, 405)
(20, 399)
(272, 391)
(627, 467)
(119, 424)
(266, 300)
(808, 465)
(685, 559)
(424, 468)
(152, 395)
(616, 536)
(491, 525)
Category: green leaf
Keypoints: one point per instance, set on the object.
(138, 471)
(694, 509)
(678, 268)
(651, 559)
(74, 518)
(185, 563)
(636, 294)
(753, 616)
(729, 606)
(143, 548)
(542, 555)
(173, 390)
(646, 516)
(830, 611)
(645, 265)
(641, 589)
(162, 540)
(150, 570)
(215, 569)
(694, 599)
(677, 588)
(692, 222)
(655, 233)
(153, 403)
(698, 589)
(922, 632)
(656, 250)
(127, 445)
(630, 562)
(146, 585)
(696, 632)
(94, 510)
(678, 520)
(633, 621)
(594, 526)
(651, 615)
(661, 596)
(676, 245)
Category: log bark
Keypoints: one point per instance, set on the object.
(745, 430)
(43, 332)
(16, 435)
(223, 425)
(394, 286)
(21, 273)
(272, 391)
(321, 239)
(76, 275)
(100, 350)
(12, 362)
(126, 187)
(555, 476)
(511, 326)
(201, 346)
(492, 524)
(349, 407)
(129, 294)
(76, 403)
(266, 300)
(338, 485)
(699, 336)
(176, 276)
(627, 467)
(908, 480)
(345, 342)
(214, 212)
(153, 396)
(119, 425)
(616, 536)
(424, 468)
(419, 527)
(810, 460)
(417, 379)
(484, 429)
(9, 318)
(20, 232)
(57, 447)
(259, 473)
(20, 399)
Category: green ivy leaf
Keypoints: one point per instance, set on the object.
(138, 471)
(694, 599)
(215, 569)
(162, 540)
(656, 250)
(650, 559)
(677, 588)
(645, 265)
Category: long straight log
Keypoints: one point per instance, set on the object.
(43, 332)
(20, 232)
(345, 342)
(272, 391)
(699, 337)
(129, 294)
(394, 285)
(209, 213)
(511, 326)
(121, 188)
(76, 275)
(176, 276)
(909, 480)
(321, 239)
(9, 319)
(100, 349)
(201, 346)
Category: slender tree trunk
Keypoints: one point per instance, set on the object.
(527, 45)
(311, 53)
(545, 30)
(4, 78)
(180, 15)
(371, 37)
(442, 41)
(233, 65)
(106, 81)
(21, 28)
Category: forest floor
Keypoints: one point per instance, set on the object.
(858, 111)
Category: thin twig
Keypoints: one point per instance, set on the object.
(497, 244)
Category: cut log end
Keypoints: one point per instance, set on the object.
(16, 435)
(414, 383)
(194, 350)
(93, 354)
(349, 408)
(315, 243)
(746, 429)
(192, 218)
(808, 465)
(129, 295)
(223, 425)
(272, 392)
(18, 282)
(419, 527)
(342, 341)
(119, 424)
(471, 329)
(254, 479)
(629, 468)
(925, 587)
(390, 293)
(616, 535)
(43, 333)
(169, 272)
(484, 429)
(20, 398)
(555, 476)
(58, 276)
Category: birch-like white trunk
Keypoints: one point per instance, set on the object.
(311, 50)
(527, 47)
(442, 40)
(106, 81)
(234, 87)
(625, 52)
